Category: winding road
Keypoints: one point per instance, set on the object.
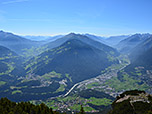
(71, 89)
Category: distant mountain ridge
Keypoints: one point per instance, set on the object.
(43, 38)
(82, 38)
(97, 38)
(141, 48)
(114, 40)
(36, 38)
(126, 45)
(15, 42)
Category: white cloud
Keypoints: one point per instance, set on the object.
(14, 1)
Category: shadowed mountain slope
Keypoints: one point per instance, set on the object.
(126, 45)
(16, 43)
(78, 59)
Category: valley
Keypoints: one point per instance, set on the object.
(75, 57)
(107, 82)
(74, 70)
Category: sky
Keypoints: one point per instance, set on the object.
(52, 17)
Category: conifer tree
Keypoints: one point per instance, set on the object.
(82, 110)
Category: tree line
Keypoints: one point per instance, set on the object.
(9, 107)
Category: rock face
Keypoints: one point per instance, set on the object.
(132, 102)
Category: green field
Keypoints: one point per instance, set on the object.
(127, 83)
(2, 83)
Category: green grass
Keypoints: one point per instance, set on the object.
(52, 74)
(124, 61)
(75, 102)
(98, 101)
(50, 103)
(61, 88)
(26, 80)
(69, 98)
(127, 84)
(16, 91)
(14, 87)
(6, 90)
(111, 58)
(2, 83)
(28, 53)
(7, 57)
(76, 107)
(54, 107)
(67, 75)
(43, 93)
(89, 86)
(10, 68)
(88, 109)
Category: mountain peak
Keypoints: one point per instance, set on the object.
(6, 33)
(141, 35)
(1, 31)
(74, 35)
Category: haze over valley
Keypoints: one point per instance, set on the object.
(75, 57)
(74, 69)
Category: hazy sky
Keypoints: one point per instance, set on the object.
(101, 17)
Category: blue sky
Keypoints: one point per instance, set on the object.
(51, 17)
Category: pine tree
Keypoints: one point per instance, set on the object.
(82, 110)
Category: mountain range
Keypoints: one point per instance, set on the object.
(74, 57)
(74, 63)
(127, 45)
(16, 43)
(43, 38)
